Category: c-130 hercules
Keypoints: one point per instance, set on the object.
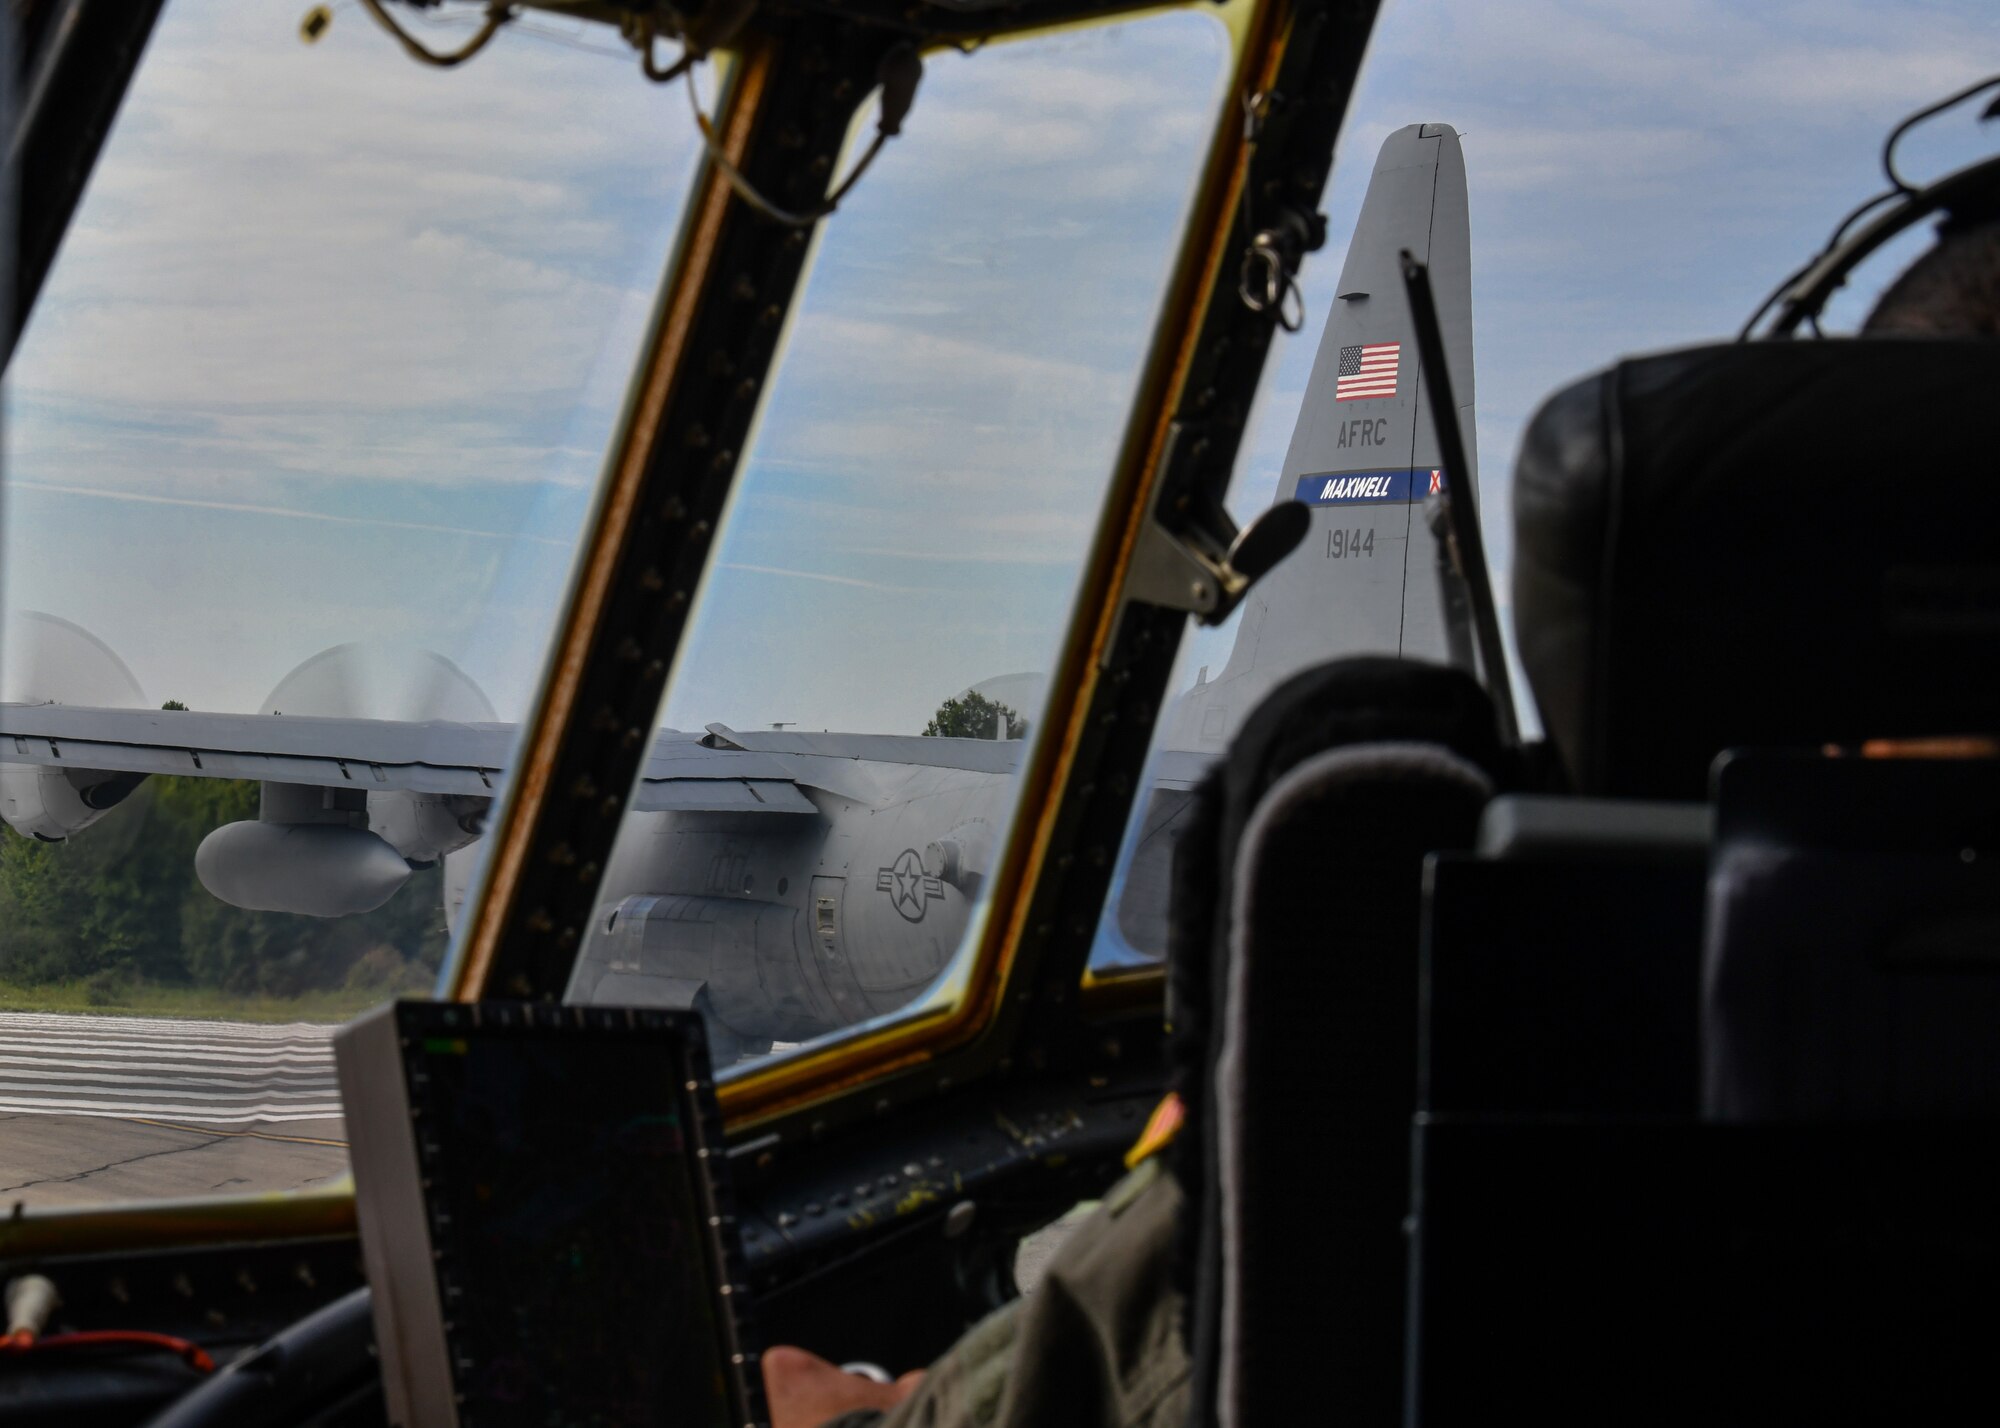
(786, 884)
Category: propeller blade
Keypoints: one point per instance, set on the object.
(45, 659)
(377, 680)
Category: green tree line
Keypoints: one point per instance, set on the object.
(973, 716)
(119, 902)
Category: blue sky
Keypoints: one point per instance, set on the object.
(933, 454)
(337, 342)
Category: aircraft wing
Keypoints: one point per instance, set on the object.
(975, 755)
(725, 770)
(718, 772)
(435, 757)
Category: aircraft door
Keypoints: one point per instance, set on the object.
(831, 965)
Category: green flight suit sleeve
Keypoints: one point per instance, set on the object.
(1098, 1344)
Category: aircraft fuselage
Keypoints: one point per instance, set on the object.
(784, 926)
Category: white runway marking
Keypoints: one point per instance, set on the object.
(211, 1072)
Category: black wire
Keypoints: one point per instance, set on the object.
(649, 33)
(1784, 285)
(672, 72)
(1899, 187)
(854, 175)
(1840, 229)
(461, 19)
(497, 14)
(749, 192)
(1896, 180)
(1839, 232)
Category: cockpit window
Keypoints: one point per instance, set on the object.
(1635, 181)
(866, 670)
(304, 425)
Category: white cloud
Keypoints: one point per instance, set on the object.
(327, 328)
(334, 227)
(851, 582)
(243, 508)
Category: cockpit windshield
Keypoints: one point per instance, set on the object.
(304, 429)
(304, 424)
(314, 404)
(870, 652)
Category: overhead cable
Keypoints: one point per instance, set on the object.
(497, 14)
(899, 73)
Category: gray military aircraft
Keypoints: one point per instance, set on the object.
(789, 884)
(1364, 456)
(1372, 575)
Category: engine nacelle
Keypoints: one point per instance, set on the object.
(330, 852)
(51, 803)
(423, 827)
(319, 869)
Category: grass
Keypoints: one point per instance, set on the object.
(95, 997)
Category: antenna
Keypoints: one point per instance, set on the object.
(1464, 515)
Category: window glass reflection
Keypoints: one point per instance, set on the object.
(899, 564)
(303, 428)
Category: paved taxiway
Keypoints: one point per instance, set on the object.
(97, 1109)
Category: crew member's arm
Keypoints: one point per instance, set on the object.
(1107, 1315)
(803, 1390)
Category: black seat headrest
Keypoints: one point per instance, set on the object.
(1768, 544)
(1298, 888)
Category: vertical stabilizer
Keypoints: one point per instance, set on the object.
(1364, 457)
(1364, 454)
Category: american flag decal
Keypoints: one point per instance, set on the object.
(1368, 371)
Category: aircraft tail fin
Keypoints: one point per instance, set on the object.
(1368, 578)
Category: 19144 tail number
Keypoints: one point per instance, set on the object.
(1340, 545)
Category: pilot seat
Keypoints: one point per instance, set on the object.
(1664, 1088)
